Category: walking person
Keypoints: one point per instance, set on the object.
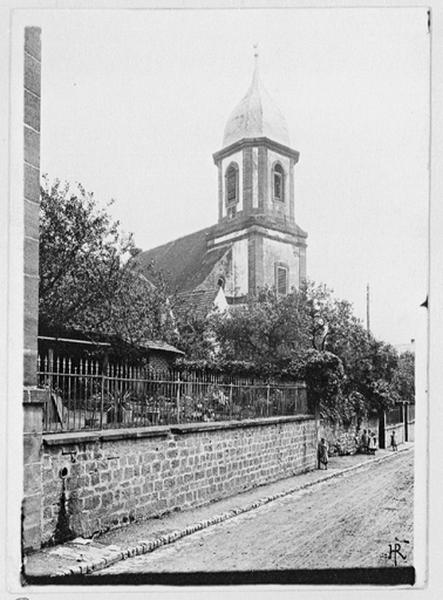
(322, 453)
(393, 441)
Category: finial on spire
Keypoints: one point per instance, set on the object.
(255, 82)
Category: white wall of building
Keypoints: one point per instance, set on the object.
(237, 277)
(279, 252)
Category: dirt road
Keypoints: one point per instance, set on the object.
(348, 521)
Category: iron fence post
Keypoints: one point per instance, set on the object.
(268, 390)
(51, 367)
(297, 399)
(178, 398)
(49, 412)
(230, 400)
(102, 398)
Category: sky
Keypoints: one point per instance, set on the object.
(134, 104)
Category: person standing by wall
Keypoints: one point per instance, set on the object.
(364, 442)
(322, 453)
(372, 447)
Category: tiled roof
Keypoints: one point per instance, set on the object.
(185, 262)
(197, 302)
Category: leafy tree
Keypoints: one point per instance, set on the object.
(312, 335)
(369, 364)
(324, 375)
(404, 377)
(195, 333)
(86, 281)
(267, 330)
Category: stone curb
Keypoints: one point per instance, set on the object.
(150, 546)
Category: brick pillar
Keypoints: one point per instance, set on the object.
(405, 421)
(31, 199)
(33, 398)
(382, 429)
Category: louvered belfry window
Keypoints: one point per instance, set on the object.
(282, 280)
(279, 180)
(232, 183)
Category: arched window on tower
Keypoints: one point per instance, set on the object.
(278, 182)
(232, 188)
(281, 279)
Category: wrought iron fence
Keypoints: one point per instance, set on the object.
(87, 395)
(394, 415)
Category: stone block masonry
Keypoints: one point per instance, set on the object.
(33, 398)
(108, 479)
(31, 125)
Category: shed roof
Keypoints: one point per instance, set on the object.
(160, 346)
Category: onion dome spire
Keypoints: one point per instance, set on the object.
(256, 115)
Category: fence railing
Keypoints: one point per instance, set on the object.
(86, 395)
(394, 415)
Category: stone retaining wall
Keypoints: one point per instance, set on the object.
(99, 480)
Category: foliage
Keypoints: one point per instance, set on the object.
(324, 374)
(266, 331)
(368, 364)
(308, 334)
(218, 365)
(195, 336)
(404, 377)
(86, 281)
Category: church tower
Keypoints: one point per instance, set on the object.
(256, 242)
(256, 204)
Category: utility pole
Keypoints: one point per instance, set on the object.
(367, 309)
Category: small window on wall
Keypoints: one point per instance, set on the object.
(232, 211)
(278, 178)
(232, 186)
(281, 280)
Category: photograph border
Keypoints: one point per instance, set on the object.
(13, 309)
